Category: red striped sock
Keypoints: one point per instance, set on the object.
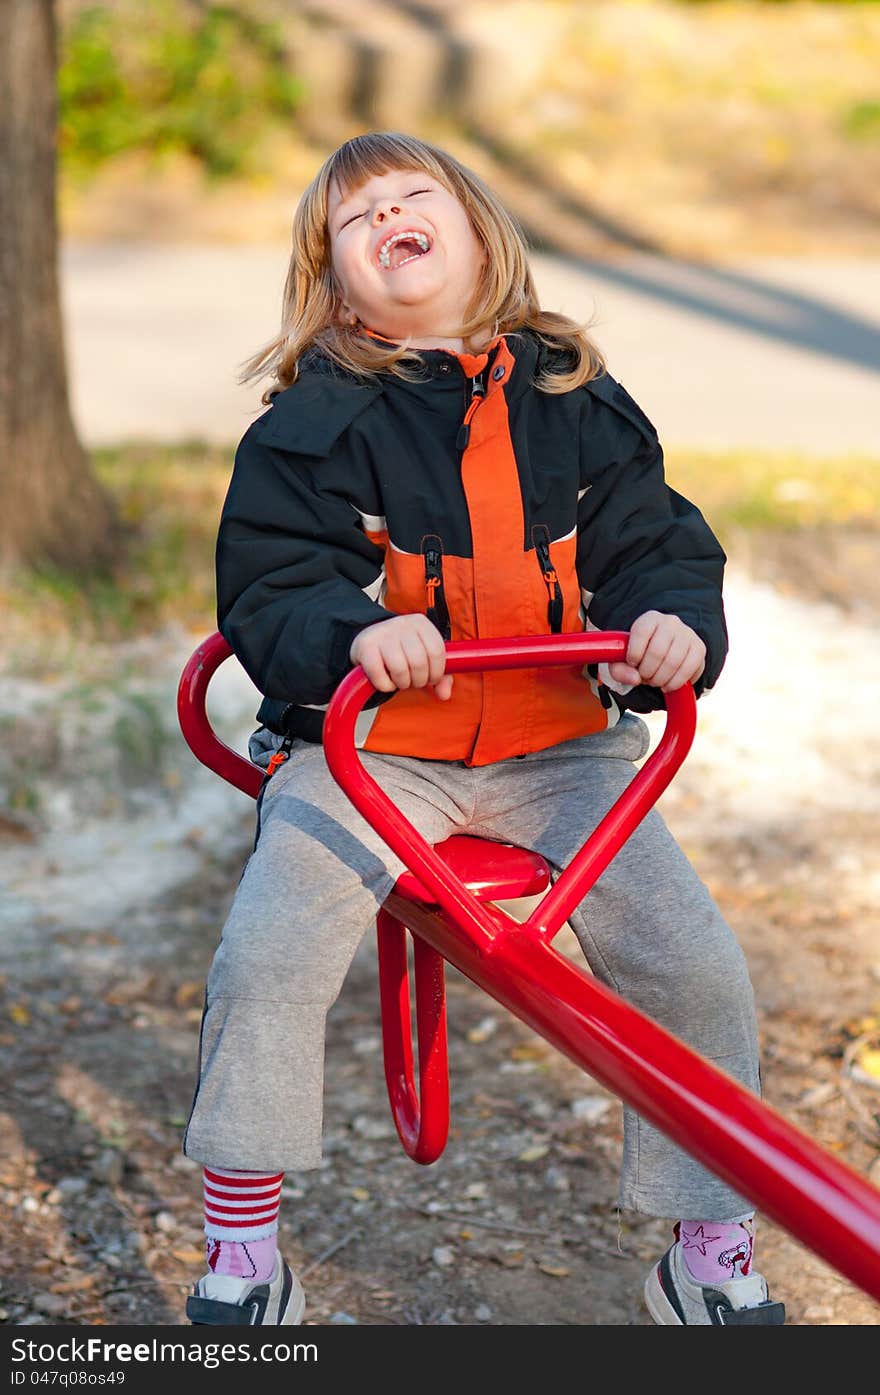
(241, 1206)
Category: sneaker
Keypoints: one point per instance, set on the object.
(218, 1300)
(674, 1298)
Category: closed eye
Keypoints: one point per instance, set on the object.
(355, 216)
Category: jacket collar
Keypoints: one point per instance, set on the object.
(311, 414)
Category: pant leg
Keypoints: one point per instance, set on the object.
(309, 891)
(649, 930)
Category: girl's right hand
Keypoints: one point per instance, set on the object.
(406, 651)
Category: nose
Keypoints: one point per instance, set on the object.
(379, 215)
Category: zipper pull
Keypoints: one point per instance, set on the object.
(478, 392)
(437, 610)
(279, 757)
(551, 580)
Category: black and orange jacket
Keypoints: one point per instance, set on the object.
(470, 495)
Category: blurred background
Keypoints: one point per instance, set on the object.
(698, 181)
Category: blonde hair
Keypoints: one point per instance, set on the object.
(505, 299)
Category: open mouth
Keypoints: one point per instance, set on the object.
(402, 247)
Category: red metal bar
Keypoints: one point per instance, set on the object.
(815, 1196)
(422, 1127)
(205, 745)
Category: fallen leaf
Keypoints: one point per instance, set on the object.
(190, 1256)
(190, 993)
(19, 1014)
(511, 1259)
(868, 1062)
(540, 1150)
(81, 1281)
(483, 1030)
(558, 1271)
(130, 990)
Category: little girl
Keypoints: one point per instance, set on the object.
(441, 458)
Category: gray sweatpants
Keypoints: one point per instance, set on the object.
(309, 892)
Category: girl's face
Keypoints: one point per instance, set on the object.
(415, 286)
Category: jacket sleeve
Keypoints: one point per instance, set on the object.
(295, 572)
(642, 546)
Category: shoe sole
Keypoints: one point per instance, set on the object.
(296, 1306)
(657, 1303)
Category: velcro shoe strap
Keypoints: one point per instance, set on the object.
(211, 1312)
(762, 1314)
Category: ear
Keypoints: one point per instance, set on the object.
(345, 314)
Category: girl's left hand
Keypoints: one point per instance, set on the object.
(662, 651)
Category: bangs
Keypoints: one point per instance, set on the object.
(363, 157)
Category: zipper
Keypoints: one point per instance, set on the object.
(541, 540)
(280, 756)
(437, 610)
(478, 392)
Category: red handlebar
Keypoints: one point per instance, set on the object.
(467, 656)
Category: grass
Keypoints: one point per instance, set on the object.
(171, 496)
(170, 499)
(776, 490)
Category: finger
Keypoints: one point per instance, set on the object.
(373, 665)
(659, 652)
(675, 656)
(688, 672)
(443, 689)
(396, 662)
(436, 651)
(417, 659)
(640, 636)
(624, 673)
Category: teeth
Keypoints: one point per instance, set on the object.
(410, 234)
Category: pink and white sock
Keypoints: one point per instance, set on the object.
(241, 1222)
(715, 1251)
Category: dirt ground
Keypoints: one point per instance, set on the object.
(517, 1222)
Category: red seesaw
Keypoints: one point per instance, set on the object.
(444, 901)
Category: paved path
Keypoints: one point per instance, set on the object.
(774, 352)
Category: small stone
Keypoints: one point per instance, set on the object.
(71, 1186)
(557, 1179)
(483, 1313)
(166, 1222)
(365, 1126)
(818, 1312)
(483, 1030)
(52, 1304)
(366, 1046)
(590, 1108)
(443, 1256)
(475, 1191)
(30, 1203)
(108, 1166)
(341, 1319)
(180, 1163)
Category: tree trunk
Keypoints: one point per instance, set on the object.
(52, 509)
